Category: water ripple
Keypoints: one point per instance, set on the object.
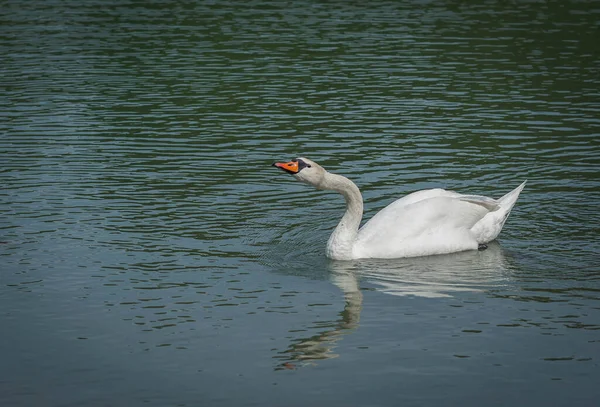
(136, 142)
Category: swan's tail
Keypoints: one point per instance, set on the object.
(508, 200)
(488, 228)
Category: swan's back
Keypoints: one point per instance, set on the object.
(434, 221)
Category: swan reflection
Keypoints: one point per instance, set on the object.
(321, 346)
(430, 277)
(434, 276)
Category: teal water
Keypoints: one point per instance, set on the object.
(152, 256)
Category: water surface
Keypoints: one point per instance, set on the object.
(151, 256)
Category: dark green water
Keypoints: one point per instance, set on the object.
(151, 256)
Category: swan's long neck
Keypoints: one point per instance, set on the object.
(341, 242)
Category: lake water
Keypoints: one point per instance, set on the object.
(150, 255)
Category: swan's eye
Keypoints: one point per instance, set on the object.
(302, 165)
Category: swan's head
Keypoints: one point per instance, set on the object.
(304, 170)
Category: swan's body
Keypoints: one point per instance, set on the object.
(433, 221)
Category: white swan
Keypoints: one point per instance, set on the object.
(423, 223)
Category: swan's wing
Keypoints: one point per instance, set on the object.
(440, 224)
(396, 221)
(432, 207)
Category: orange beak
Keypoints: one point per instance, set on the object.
(290, 167)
